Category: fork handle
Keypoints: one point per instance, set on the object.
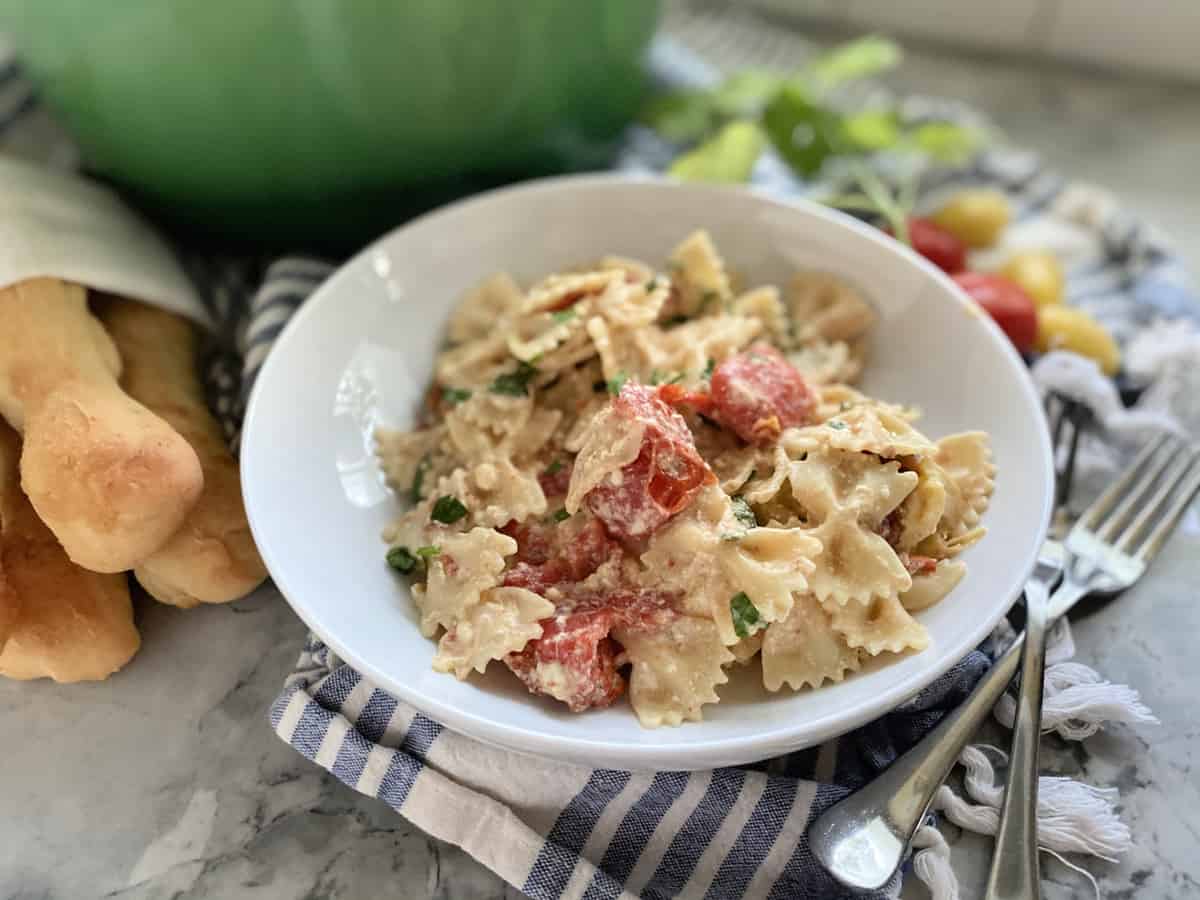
(1015, 873)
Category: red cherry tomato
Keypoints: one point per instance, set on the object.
(937, 245)
(1005, 301)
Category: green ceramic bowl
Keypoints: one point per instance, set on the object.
(325, 120)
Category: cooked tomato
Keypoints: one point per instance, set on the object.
(936, 244)
(758, 393)
(1010, 307)
(664, 478)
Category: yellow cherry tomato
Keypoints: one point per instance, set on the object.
(1039, 273)
(975, 216)
(1066, 328)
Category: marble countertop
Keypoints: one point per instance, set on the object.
(166, 781)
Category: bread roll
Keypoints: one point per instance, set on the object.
(112, 480)
(69, 624)
(212, 558)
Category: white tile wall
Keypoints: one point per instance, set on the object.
(1161, 36)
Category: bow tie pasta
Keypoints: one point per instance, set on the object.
(628, 481)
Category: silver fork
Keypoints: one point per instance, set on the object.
(1107, 550)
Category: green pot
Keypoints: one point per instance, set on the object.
(326, 120)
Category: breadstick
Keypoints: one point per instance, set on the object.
(70, 624)
(212, 558)
(112, 480)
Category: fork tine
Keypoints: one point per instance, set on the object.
(1100, 508)
(1188, 482)
(1135, 499)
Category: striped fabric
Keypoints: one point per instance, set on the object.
(564, 831)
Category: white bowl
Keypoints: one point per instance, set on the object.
(361, 350)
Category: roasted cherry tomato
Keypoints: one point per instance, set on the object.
(937, 245)
(1005, 301)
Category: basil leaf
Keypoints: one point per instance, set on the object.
(803, 131)
(743, 513)
(514, 384)
(859, 58)
(744, 93)
(872, 130)
(448, 510)
(746, 618)
(401, 560)
(726, 158)
(455, 396)
(414, 492)
(680, 116)
(614, 384)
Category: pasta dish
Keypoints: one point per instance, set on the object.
(628, 481)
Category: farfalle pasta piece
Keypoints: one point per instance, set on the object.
(967, 459)
(763, 304)
(855, 564)
(503, 622)
(488, 425)
(803, 650)
(747, 648)
(610, 443)
(826, 362)
(402, 454)
(631, 306)
(483, 309)
(768, 565)
(864, 429)
(618, 357)
(824, 307)
(633, 269)
(877, 625)
(687, 349)
(466, 565)
(837, 398)
(827, 482)
(922, 509)
(930, 588)
(675, 670)
(476, 363)
(698, 274)
(494, 491)
(558, 292)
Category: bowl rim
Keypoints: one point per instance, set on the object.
(688, 755)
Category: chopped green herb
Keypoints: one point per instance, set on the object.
(561, 515)
(743, 513)
(746, 619)
(401, 560)
(651, 285)
(448, 510)
(429, 552)
(554, 468)
(455, 396)
(708, 369)
(514, 384)
(836, 425)
(730, 536)
(414, 493)
(617, 382)
(675, 320)
(563, 315)
(657, 377)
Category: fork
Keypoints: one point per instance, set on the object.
(1107, 550)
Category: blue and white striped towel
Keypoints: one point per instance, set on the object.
(564, 831)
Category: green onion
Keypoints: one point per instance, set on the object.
(401, 560)
(554, 468)
(561, 515)
(429, 552)
(708, 369)
(745, 615)
(448, 510)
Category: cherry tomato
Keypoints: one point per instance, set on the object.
(937, 245)
(1006, 302)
